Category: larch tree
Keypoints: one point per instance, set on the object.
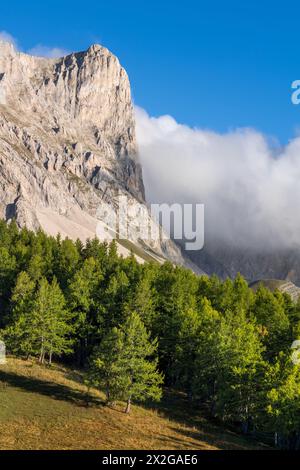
(19, 334)
(51, 321)
(124, 364)
(81, 294)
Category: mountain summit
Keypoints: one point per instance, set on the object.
(67, 143)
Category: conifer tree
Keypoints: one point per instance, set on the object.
(269, 312)
(41, 324)
(81, 295)
(143, 299)
(124, 364)
(19, 332)
(50, 321)
(282, 382)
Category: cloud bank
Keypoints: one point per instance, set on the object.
(39, 50)
(251, 193)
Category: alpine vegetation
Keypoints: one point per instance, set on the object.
(135, 328)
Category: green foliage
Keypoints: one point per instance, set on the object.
(50, 321)
(7, 271)
(282, 401)
(223, 344)
(121, 364)
(19, 331)
(81, 295)
(40, 321)
(269, 311)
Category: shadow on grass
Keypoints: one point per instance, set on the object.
(176, 407)
(50, 389)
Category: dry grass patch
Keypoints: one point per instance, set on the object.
(46, 408)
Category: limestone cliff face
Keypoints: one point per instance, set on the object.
(73, 114)
(67, 142)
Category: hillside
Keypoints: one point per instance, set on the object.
(43, 408)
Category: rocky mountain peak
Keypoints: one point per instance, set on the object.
(88, 89)
(94, 48)
(67, 143)
(70, 117)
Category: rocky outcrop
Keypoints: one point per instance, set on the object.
(67, 143)
(286, 287)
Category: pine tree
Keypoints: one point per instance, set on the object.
(143, 299)
(228, 359)
(19, 332)
(81, 295)
(123, 364)
(114, 299)
(175, 296)
(66, 262)
(40, 323)
(242, 367)
(269, 312)
(36, 267)
(50, 321)
(186, 350)
(7, 272)
(282, 382)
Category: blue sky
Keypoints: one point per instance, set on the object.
(216, 65)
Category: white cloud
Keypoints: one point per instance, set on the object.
(44, 51)
(251, 194)
(39, 50)
(6, 37)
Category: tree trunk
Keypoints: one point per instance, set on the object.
(213, 402)
(42, 355)
(42, 352)
(128, 406)
(107, 393)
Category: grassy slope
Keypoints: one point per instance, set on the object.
(44, 408)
